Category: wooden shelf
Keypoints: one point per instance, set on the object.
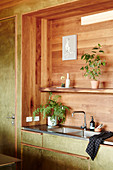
(76, 90)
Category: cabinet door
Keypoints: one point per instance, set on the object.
(104, 159)
(58, 161)
(31, 158)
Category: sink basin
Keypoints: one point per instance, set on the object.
(64, 130)
(86, 134)
(73, 131)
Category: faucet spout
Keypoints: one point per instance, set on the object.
(83, 127)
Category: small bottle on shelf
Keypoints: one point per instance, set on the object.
(92, 124)
(67, 81)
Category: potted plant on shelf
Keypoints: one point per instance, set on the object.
(63, 83)
(53, 110)
(93, 65)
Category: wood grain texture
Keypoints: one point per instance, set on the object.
(60, 21)
(77, 90)
(9, 3)
(31, 67)
(97, 105)
(87, 37)
(77, 7)
(45, 62)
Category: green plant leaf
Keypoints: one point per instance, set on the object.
(103, 63)
(99, 45)
(82, 68)
(50, 94)
(101, 51)
(82, 56)
(98, 57)
(85, 74)
(95, 48)
(93, 63)
(55, 98)
(52, 108)
(93, 51)
(86, 67)
(92, 56)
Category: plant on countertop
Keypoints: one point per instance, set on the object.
(93, 63)
(52, 108)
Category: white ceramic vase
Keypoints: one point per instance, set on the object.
(52, 122)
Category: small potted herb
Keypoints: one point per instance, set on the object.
(93, 65)
(63, 83)
(53, 110)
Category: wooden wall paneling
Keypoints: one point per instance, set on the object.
(9, 3)
(38, 64)
(81, 11)
(49, 36)
(87, 37)
(74, 8)
(31, 68)
(75, 24)
(25, 69)
(45, 62)
(97, 105)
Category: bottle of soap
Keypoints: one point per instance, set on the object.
(92, 124)
(67, 81)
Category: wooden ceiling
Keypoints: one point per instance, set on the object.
(104, 4)
(9, 3)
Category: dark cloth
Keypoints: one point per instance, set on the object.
(95, 141)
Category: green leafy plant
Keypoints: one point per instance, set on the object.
(93, 63)
(52, 108)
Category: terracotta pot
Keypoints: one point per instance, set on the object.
(52, 122)
(94, 84)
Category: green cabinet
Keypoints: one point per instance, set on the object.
(52, 152)
(31, 158)
(70, 153)
(65, 144)
(58, 161)
(31, 138)
(46, 152)
(104, 159)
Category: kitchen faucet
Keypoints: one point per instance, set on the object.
(83, 127)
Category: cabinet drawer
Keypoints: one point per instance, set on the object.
(65, 144)
(32, 138)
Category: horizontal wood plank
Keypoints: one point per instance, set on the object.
(76, 90)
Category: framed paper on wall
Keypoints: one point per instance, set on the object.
(69, 47)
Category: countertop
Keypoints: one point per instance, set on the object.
(47, 129)
(7, 160)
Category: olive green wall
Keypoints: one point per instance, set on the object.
(7, 85)
(25, 7)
